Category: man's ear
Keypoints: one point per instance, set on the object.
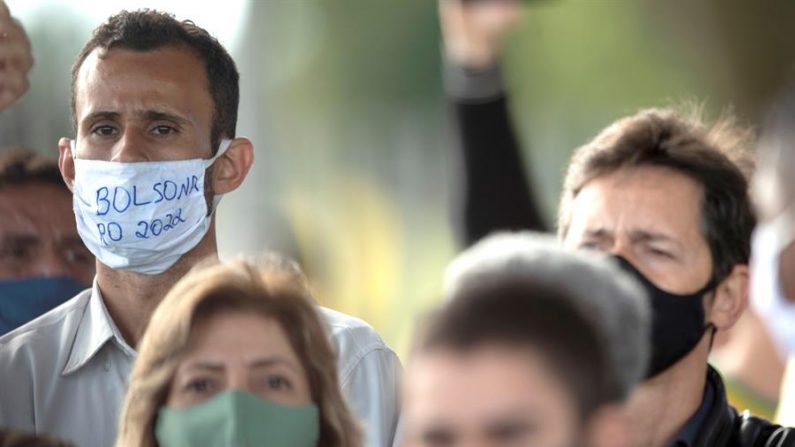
(231, 168)
(66, 162)
(730, 299)
(608, 427)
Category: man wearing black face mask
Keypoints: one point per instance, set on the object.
(665, 195)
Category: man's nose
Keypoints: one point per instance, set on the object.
(620, 247)
(50, 263)
(130, 148)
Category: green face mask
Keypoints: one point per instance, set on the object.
(238, 419)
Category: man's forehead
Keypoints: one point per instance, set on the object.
(104, 60)
(110, 79)
(650, 201)
(36, 208)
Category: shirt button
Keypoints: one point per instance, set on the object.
(106, 365)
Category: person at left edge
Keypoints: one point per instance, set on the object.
(154, 100)
(43, 262)
(16, 59)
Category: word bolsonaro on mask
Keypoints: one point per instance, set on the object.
(143, 216)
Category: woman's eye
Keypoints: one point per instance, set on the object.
(278, 383)
(199, 386)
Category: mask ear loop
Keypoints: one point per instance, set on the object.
(222, 148)
(711, 285)
(714, 329)
(73, 147)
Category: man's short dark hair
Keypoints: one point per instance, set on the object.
(24, 166)
(147, 30)
(529, 316)
(715, 157)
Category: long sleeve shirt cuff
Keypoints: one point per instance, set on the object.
(473, 86)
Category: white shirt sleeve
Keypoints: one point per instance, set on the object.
(369, 374)
(373, 392)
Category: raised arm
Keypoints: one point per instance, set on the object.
(491, 190)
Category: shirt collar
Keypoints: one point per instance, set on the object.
(689, 434)
(94, 330)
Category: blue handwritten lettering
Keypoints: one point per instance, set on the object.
(108, 230)
(135, 198)
(169, 220)
(116, 195)
(119, 232)
(184, 189)
(145, 226)
(156, 227)
(166, 184)
(177, 218)
(102, 199)
(101, 231)
(159, 192)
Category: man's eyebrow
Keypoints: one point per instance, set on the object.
(651, 236)
(150, 115)
(598, 233)
(19, 239)
(153, 115)
(71, 240)
(517, 421)
(100, 115)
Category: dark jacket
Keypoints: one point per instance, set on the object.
(724, 427)
(496, 195)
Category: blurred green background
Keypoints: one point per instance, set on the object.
(343, 100)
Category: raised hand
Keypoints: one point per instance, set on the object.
(473, 30)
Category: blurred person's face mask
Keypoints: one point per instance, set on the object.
(22, 300)
(767, 293)
(142, 217)
(237, 419)
(677, 321)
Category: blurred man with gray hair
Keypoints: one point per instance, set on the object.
(534, 345)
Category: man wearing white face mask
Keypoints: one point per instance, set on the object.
(773, 260)
(155, 109)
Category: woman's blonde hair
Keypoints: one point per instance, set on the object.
(273, 287)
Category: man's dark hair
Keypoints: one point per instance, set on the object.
(24, 166)
(147, 30)
(714, 157)
(536, 317)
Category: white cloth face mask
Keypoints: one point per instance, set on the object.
(767, 295)
(143, 216)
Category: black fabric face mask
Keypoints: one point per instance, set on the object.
(677, 321)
